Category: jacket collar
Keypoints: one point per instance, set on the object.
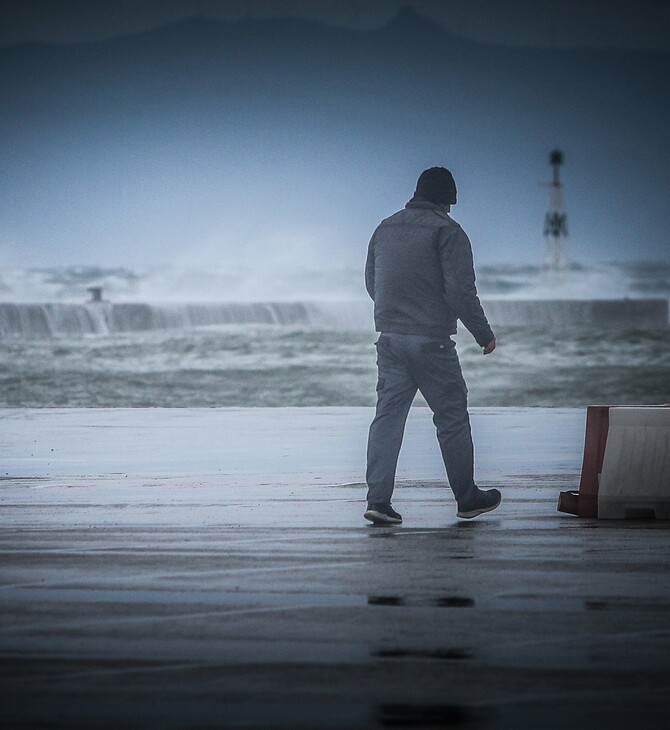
(426, 205)
(420, 203)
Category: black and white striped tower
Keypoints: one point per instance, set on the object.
(556, 224)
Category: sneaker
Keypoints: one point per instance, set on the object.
(486, 501)
(382, 514)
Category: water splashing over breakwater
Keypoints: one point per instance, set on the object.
(54, 319)
(61, 319)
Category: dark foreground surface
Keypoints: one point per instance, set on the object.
(174, 603)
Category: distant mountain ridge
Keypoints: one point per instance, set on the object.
(173, 111)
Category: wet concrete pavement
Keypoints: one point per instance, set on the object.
(159, 600)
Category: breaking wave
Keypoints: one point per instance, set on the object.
(59, 319)
(55, 319)
(236, 284)
(41, 303)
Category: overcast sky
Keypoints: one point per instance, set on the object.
(564, 23)
(135, 184)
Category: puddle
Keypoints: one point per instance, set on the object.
(454, 602)
(419, 716)
(386, 601)
(439, 601)
(443, 654)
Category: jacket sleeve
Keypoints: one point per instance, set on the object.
(459, 283)
(370, 269)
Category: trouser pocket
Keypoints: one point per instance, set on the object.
(438, 346)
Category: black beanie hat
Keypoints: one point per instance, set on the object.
(436, 184)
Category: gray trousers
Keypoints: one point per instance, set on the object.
(407, 363)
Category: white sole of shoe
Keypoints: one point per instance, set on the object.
(379, 518)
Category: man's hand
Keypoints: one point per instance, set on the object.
(490, 347)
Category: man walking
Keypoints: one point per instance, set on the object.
(420, 275)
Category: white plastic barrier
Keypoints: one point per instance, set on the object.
(635, 478)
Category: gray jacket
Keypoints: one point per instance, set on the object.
(420, 275)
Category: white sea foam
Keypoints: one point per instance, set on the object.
(159, 340)
(171, 284)
(604, 281)
(53, 302)
(267, 365)
(62, 318)
(246, 283)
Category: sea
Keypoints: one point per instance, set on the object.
(183, 337)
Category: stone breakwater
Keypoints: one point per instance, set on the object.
(599, 312)
(56, 319)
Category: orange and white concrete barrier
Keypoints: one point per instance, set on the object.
(621, 466)
(635, 478)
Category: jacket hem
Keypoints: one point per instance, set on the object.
(413, 329)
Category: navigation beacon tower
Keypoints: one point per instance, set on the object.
(556, 224)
